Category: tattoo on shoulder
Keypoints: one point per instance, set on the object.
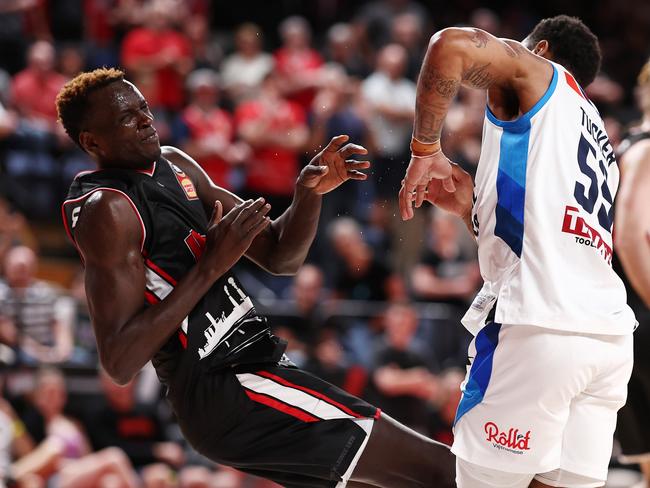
(478, 76)
(445, 87)
(510, 50)
(480, 38)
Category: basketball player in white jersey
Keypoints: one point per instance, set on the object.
(552, 352)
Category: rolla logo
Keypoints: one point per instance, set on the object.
(511, 439)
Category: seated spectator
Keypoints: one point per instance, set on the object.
(375, 19)
(407, 31)
(305, 318)
(327, 361)
(297, 63)
(206, 132)
(34, 89)
(14, 231)
(402, 382)
(77, 466)
(243, 71)
(391, 101)
(447, 272)
(276, 130)
(118, 420)
(205, 51)
(30, 162)
(34, 310)
(158, 57)
(336, 110)
(362, 276)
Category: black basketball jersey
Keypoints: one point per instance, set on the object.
(223, 329)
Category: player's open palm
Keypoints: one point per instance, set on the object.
(332, 166)
(229, 236)
(458, 202)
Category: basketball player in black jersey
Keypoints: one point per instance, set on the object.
(158, 240)
(632, 244)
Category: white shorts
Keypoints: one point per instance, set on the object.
(538, 400)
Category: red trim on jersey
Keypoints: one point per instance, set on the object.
(160, 272)
(317, 394)
(183, 338)
(573, 84)
(149, 171)
(377, 414)
(282, 407)
(151, 297)
(102, 188)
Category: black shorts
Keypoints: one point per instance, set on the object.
(633, 428)
(294, 428)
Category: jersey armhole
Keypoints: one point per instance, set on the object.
(68, 230)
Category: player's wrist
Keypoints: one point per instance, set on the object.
(421, 149)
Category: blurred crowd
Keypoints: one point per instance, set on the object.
(377, 308)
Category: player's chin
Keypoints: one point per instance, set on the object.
(151, 151)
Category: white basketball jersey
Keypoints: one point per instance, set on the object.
(543, 215)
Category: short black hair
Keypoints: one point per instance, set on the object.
(72, 101)
(573, 45)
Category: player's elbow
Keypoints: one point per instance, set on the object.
(452, 40)
(117, 369)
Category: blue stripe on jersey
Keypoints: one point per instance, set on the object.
(511, 189)
(511, 176)
(479, 375)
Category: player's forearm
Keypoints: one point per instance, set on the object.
(633, 248)
(295, 230)
(454, 57)
(437, 86)
(126, 349)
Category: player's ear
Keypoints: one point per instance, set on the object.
(89, 143)
(542, 49)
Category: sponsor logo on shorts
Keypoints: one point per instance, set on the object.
(584, 234)
(511, 440)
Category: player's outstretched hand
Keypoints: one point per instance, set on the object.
(332, 166)
(457, 202)
(229, 236)
(420, 171)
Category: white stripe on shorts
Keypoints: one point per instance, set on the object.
(292, 396)
(365, 424)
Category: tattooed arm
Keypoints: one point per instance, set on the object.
(473, 58)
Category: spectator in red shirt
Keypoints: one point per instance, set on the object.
(297, 63)
(35, 88)
(276, 130)
(158, 57)
(206, 132)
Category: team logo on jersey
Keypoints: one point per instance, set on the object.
(585, 234)
(511, 440)
(185, 182)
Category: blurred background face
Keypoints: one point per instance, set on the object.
(41, 57)
(407, 31)
(295, 33)
(158, 15)
(20, 267)
(392, 61)
(50, 394)
(401, 322)
(444, 227)
(308, 286)
(248, 40)
(203, 86)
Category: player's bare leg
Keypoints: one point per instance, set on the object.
(398, 456)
